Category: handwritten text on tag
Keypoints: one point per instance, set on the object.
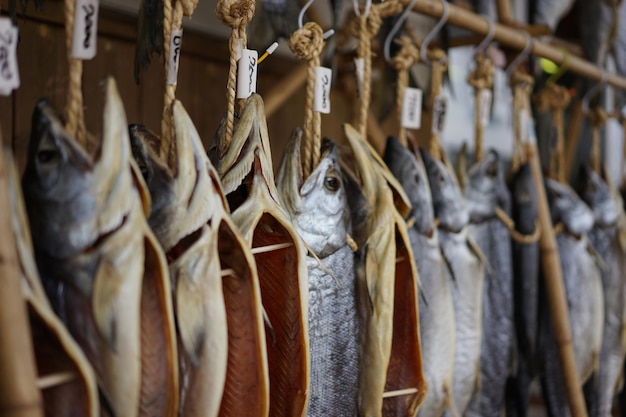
(412, 108)
(176, 42)
(323, 79)
(9, 74)
(85, 36)
(247, 73)
(440, 107)
(484, 107)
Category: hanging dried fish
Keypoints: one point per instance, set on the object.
(319, 210)
(391, 382)
(248, 181)
(101, 267)
(436, 310)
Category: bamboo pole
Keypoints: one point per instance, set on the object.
(513, 38)
(285, 88)
(19, 396)
(504, 11)
(556, 291)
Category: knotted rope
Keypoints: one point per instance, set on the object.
(74, 113)
(366, 28)
(481, 79)
(236, 14)
(401, 62)
(556, 99)
(597, 117)
(439, 64)
(307, 43)
(522, 86)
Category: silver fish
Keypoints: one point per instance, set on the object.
(525, 288)
(468, 273)
(101, 266)
(187, 209)
(436, 309)
(583, 290)
(248, 180)
(607, 238)
(550, 12)
(390, 355)
(319, 211)
(485, 191)
(56, 352)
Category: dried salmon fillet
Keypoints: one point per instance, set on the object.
(248, 180)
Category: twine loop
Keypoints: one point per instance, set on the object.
(552, 97)
(482, 76)
(189, 6)
(406, 57)
(307, 42)
(234, 13)
(438, 56)
(597, 117)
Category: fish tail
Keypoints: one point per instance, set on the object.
(450, 400)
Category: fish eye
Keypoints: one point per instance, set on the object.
(46, 156)
(331, 183)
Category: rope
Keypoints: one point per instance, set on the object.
(556, 99)
(366, 27)
(522, 86)
(597, 117)
(171, 21)
(439, 64)
(515, 235)
(403, 60)
(307, 43)
(481, 79)
(236, 14)
(75, 124)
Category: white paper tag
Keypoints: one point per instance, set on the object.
(323, 79)
(85, 39)
(484, 100)
(9, 73)
(412, 108)
(440, 106)
(246, 73)
(527, 127)
(359, 68)
(176, 42)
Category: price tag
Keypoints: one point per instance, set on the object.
(527, 127)
(85, 37)
(321, 100)
(359, 68)
(247, 73)
(9, 74)
(176, 42)
(484, 99)
(440, 106)
(412, 108)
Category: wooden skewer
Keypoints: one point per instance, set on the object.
(270, 248)
(54, 380)
(397, 393)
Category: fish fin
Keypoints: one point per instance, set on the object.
(449, 267)
(323, 267)
(142, 188)
(597, 257)
(105, 288)
(479, 254)
(190, 316)
(449, 400)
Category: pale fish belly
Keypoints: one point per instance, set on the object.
(467, 295)
(437, 323)
(334, 336)
(497, 344)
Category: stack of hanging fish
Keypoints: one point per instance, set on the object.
(436, 309)
(391, 372)
(217, 301)
(246, 173)
(100, 266)
(318, 208)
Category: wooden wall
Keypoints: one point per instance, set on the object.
(201, 86)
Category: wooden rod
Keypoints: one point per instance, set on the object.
(19, 396)
(513, 38)
(504, 11)
(555, 289)
(285, 88)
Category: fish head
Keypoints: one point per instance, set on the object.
(603, 199)
(566, 207)
(408, 168)
(486, 188)
(448, 201)
(72, 199)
